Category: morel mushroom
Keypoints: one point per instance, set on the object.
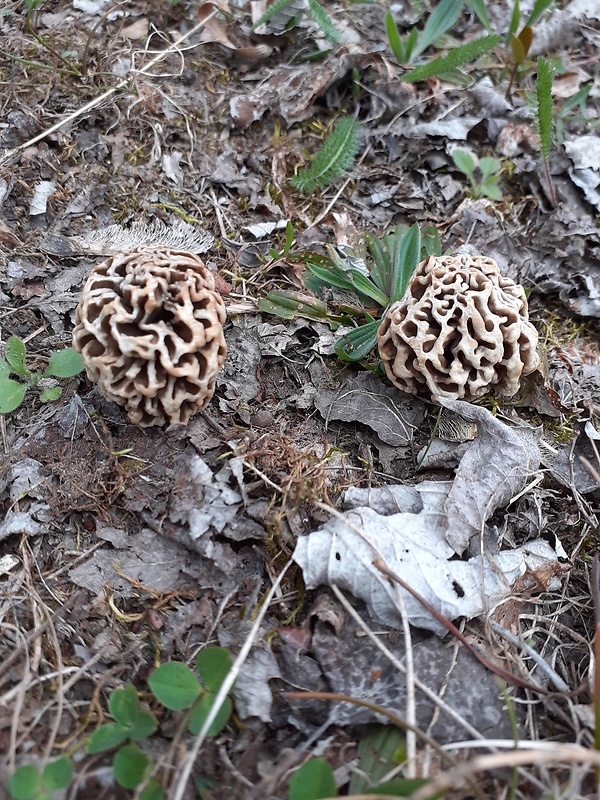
(461, 330)
(150, 330)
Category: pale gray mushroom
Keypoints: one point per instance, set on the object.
(149, 327)
(460, 331)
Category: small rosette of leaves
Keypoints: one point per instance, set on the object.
(362, 288)
(177, 687)
(16, 378)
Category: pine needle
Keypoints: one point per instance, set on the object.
(335, 156)
(456, 58)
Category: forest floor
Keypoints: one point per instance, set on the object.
(123, 548)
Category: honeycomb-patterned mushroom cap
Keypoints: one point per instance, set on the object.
(461, 330)
(149, 327)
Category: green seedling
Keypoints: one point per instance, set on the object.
(483, 176)
(362, 287)
(63, 364)
(335, 157)
(29, 783)
(567, 112)
(288, 14)
(177, 687)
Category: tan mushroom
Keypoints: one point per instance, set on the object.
(461, 330)
(150, 330)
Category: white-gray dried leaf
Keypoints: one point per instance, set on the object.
(494, 469)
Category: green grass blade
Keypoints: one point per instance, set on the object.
(544, 106)
(443, 18)
(395, 39)
(538, 9)
(456, 58)
(380, 270)
(336, 156)
(323, 20)
(514, 22)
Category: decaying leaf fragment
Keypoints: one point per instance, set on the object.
(420, 543)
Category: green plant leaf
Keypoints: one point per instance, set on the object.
(153, 791)
(15, 355)
(289, 239)
(11, 394)
(124, 704)
(488, 166)
(48, 395)
(405, 257)
(131, 766)
(544, 106)
(25, 783)
(539, 7)
(323, 20)
(491, 191)
(478, 7)
(443, 18)
(201, 711)
(464, 162)
(5, 369)
(275, 8)
(525, 37)
(395, 39)
(380, 271)
(515, 18)
(293, 304)
(357, 344)
(65, 363)
(430, 242)
(456, 58)
(213, 664)
(107, 736)
(517, 50)
(335, 156)
(174, 685)
(58, 774)
(380, 749)
(313, 781)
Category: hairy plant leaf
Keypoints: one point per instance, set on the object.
(65, 363)
(455, 58)
(443, 18)
(463, 161)
(15, 355)
(335, 156)
(50, 395)
(278, 7)
(544, 106)
(357, 344)
(488, 166)
(313, 781)
(321, 17)
(11, 394)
